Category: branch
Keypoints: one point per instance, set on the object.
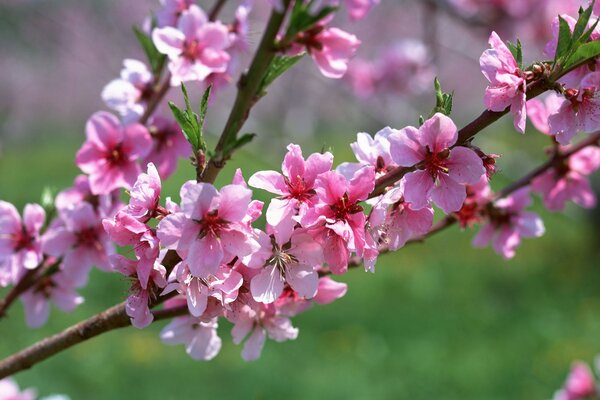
(246, 96)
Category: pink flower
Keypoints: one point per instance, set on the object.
(539, 112)
(138, 302)
(110, 153)
(80, 240)
(580, 384)
(168, 145)
(170, 11)
(580, 111)
(568, 180)
(293, 262)
(125, 230)
(295, 187)
(57, 288)
(211, 230)
(358, 9)
(9, 390)
(330, 48)
(442, 172)
(374, 151)
(329, 291)
(253, 322)
(397, 221)
(128, 95)
(507, 82)
(222, 286)
(20, 244)
(508, 223)
(196, 48)
(199, 336)
(145, 195)
(478, 195)
(337, 221)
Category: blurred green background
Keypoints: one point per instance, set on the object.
(437, 320)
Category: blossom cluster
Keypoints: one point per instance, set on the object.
(580, 384)
(205, 253)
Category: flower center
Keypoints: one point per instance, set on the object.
(436, 163)
(192, 49)
(116, 156)
(23, 240)
(211, 224)
(88, 238)
(343, 208)
(298, 189)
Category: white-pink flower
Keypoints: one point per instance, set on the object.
(111, 152)
(295, 187)
(170, 10)
(57, 289)
(337, 221)
(145, 195)
(568, 180)
(9, 390)
(579, 112)
(442, 171)
(358, 9)
(210, 230)
(128, 94)
(20, 244)
(508, 222)
(580, 384)
(196, 48)
(507, 82)
(79, 238)
(199, 336)
(293, 262)
(539, 111)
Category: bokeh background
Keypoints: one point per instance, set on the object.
(437, 319)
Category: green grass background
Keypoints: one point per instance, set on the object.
(437, 320)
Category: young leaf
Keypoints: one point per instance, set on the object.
(517, 52)
(585, 52)
(443, 101)
(564, 39)
(155, 59)
(278, 66)
(239, 142)
(185, 125)
(582, 21)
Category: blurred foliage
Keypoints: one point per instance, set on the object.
(437, 320)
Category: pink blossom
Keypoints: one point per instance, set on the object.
(374, 151)
(539, 111)
(507, 82)
(138, 302)
(9, 390)
(168, 145)
(358, 9)
(79, 238)
(442, 172)
(404, 67)
(329, 290)
(106, 205)
(128, 94)
(580, 111)
(170, 10)
(478, 195)
(580, 384)
(337, 221)
(222, 286)
(57, 288)
(362, 77)
(330, 48)
(568, 180)
(125, 230)
(20, 244)
(253, 322)
(398, 221)
(199, 336)
(295, 187)
(110, 153)
(508, 223)
(211, 230)
(196, 48)
(293, 262)
(145, 195)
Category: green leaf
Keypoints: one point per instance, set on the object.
(582, 21)
(584, 53)
(303, 19)
(185, 125)
(443, 101)
(517, 52)
(278, 66)
(564, 39)
(155, 58)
